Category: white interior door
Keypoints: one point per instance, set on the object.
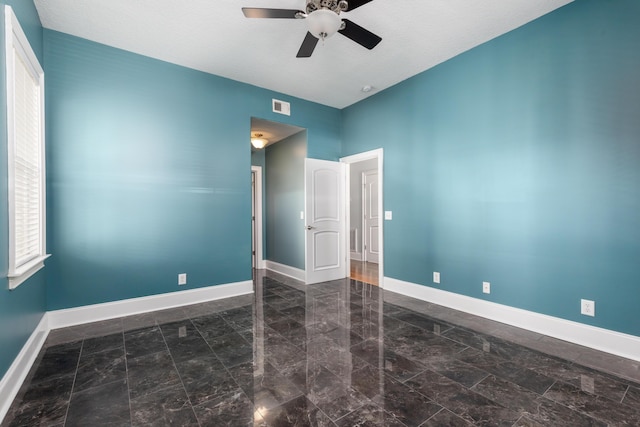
(325, 221)
(371, 216)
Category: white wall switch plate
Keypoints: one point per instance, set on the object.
(486, 287)
(182, 279)
(388, 215)
(587, 307)
(301, 214)
(436, 277)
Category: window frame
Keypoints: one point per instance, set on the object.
(16, 41)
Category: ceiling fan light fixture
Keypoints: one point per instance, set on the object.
(323, 23)
(258, 141)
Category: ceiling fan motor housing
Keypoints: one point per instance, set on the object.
(334, 5)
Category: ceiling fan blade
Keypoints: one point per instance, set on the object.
(257, 12)
(359, 35)
(308, 44)
(355, 3)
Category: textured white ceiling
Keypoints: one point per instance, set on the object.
(215, 37)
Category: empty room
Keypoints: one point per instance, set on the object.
(320, 213)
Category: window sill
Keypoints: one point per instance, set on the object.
(32, 267)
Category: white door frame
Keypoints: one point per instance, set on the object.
(355, 158)
(366, 243)
(258, 213)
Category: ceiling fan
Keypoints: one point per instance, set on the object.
(324, 21)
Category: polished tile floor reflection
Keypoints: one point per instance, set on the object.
(341, 353)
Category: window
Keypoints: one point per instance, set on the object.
(25, 132)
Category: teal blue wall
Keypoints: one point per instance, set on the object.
(20, 309)
(258, 158)
(149, 172)
(284, 199)
(518, 163)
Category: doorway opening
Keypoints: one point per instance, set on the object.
(281, 217)
(364, 217)
(276, 196)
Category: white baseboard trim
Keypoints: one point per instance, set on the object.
(286, 270)
(613, 342)
(13, 378)
(109, 310)
(356, 256)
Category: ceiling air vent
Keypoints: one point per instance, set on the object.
(281, 107)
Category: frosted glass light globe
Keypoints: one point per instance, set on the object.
(323, 23)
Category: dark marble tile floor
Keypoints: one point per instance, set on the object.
(339, 354)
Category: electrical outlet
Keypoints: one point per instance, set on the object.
(182, 279)
(587, 307)
(486, 287)
(436, 277)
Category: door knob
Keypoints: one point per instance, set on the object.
(310, 227)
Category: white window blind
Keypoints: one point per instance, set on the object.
(25, 130)
(26, 164)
